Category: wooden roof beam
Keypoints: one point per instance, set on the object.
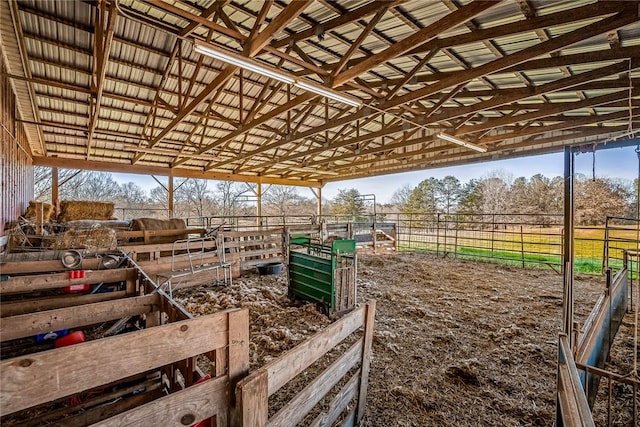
(533, 64)
(570, 122)
(340, 20)
(510, 96)
(623, 18)
(77, 163)
(275, 27)
(546, 110)
(574, 15)
(103, 38)
(358, 42)
(256, 122)
(503, 99)
(451, 20)
(628, 15)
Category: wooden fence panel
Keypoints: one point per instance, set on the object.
(34, 379)
(253, 391)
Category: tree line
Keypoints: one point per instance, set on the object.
(192, 197)
(498, 193)
(538, 196)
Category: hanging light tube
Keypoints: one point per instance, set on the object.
(327, 93)
(238, 61)
(465, 144)
(247, 65)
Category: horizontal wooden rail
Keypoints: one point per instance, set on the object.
(196, 403)
(253, 233)
(297, 408)
(32, 305)
(44, 266)
(132, 234)
(296, 360)
(25, 325)
(31, 283)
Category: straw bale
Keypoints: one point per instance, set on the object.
(36, 209)
(74, 209)
(118, 225)
(94, 239)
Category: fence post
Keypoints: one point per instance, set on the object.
(522, 245)
(493, 228)
(410, 229)
(252, 401)
(369, 319)
(438, 234)
(446, 225)
(455, 240)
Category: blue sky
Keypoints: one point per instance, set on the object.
(619, 163)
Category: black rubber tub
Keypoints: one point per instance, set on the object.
(269, 268)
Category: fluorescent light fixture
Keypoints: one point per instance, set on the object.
(461, 142)
(239, 61)
(247, 65)
(327, 93)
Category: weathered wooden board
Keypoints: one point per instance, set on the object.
(30, 324)
(14, 308)
(44, 266)
(31, 283)
(196, 403)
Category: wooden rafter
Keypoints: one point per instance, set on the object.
(102, 48)
(450, 21)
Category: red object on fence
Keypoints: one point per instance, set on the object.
(76, 337)
(77, 274)
(207, 422)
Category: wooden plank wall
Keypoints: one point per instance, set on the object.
(256, 246)
(16, 166)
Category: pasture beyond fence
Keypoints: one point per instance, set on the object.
(514, 239)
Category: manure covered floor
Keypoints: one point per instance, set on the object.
(456, 343)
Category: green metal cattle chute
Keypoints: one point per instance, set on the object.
(323, 274)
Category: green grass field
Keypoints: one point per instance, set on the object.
(539, 247)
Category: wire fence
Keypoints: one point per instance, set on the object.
(534, 240)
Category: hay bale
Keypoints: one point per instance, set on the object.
(74, 209)
(85, 224)
(39, 210)
(94, 239)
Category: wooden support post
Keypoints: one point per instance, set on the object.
(55, 185)
(319, 203)
(170, 196)
(252, 401)
(259, 206)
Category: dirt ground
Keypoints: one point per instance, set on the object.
(456, 343)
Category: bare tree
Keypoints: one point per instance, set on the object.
(42, 180)
(283, 200)
(195, 196)
(400, 197)
(227, 195)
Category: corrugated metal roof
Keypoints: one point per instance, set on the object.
(59, 50)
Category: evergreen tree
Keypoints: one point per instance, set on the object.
(348, 202)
